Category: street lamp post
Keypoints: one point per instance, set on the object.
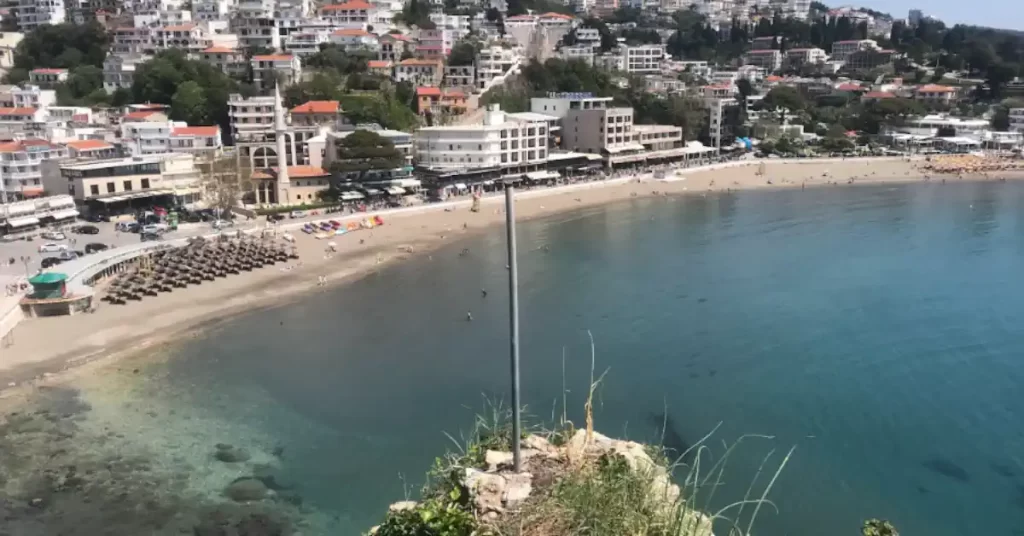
(513, 291)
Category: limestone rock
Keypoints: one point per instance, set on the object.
(517, 488)
(246, 489)
(486, 490)
(402, 506)
(496, 458)
(540, 444)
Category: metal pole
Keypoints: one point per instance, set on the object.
(513, 292)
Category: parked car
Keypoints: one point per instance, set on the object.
(98, 218)
(94, 247)
(146, 237)
(275, 217)
(68, 255)
(155, 228)
(53, 235)
(297, 214)
(51, 247)
(50, 261)
(220, 224)
(86, 229)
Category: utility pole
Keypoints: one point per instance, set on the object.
(513, 293)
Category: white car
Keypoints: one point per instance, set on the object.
(53, 235)
(155, 228)
(52, 248)
(220, 224)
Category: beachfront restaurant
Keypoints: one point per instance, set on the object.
(125, 185)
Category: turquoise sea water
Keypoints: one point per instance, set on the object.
(878, 329)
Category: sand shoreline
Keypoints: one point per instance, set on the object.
(115, 331)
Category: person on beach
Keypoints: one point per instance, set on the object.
(469, 316)
(483, 293)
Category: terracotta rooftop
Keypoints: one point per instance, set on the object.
(935, 88)
(86, 145)
(17, 111)
(195, 131)
(294, 172)
(425, 91)
(378, 64)
(354, 32)
(142, 114)
(879, 95)
(348, 6)
(220, 50)
(318, 107)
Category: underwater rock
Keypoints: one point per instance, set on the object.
(232, 455)
(260, 524)
(246, 489)
(947, 468)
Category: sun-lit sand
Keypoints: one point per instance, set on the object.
(58, 343)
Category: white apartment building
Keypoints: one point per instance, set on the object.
(805, 56)
(201, 141)
(34, 13)
(188, 37)
(112, 184)
(435, 44)
(495, 62)
(250, 115)
(33, 97)
(458, 25)
(584, 53)
(119, 71)
(47, 77)
(769, 60)
(355, 40)
(24, 215)
(588, 36)
(20, 165)
(354, 14)
(266, 69)
(842, 49)
(502, 140)
(147, 137)
(392, 46)
(641, 59)
(231, 61)
(128, 41)
(257, 32)
(306, 43)
(1017, 119)
(211, 10)
(420, 72)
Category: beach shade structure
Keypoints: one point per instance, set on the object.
(48, 286)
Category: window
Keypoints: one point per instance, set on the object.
(127, 185)
(94, 189)
(145, 184)
(110, 188)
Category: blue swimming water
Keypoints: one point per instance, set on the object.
(878, 329)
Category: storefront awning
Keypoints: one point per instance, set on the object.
(460, 186)
(406, 183)
(542, 175)
(373, 191)
(64, 214)
(351, 196)
(23, 222)
(395, 190)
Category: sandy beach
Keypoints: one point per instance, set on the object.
(50, 345)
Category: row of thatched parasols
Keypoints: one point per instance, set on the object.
(200, 260)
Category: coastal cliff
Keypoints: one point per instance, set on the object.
(569, 482)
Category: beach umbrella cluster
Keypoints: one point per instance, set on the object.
(198, 261)
(972, 164)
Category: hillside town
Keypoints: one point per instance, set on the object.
(115, 107)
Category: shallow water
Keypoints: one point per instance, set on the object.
(875, 328)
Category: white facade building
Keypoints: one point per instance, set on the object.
(500, 141)
(34, 13)
(1017, 119)
(266, 69)
(119, 71)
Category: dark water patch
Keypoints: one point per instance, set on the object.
(947, 468)
(702, 300)
(672, 439)
(1002, 470)
(694, 375)
(923, 490)
(712, 372)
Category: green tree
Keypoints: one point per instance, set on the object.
(62, 46)
(784, 99)
(159, 80)
(464, 53)
(364, 151)
(189, 104)
(836, 139)
(878, 527)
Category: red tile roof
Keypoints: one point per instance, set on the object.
(142, 114)
(414, 61)
(848, 87)
(294, 172)
(318, 107)
(220, 50)
(425, 91)
(17, 111)
(553, 15)
(879, 95)
(378, 64)
(195, 131)
(934, 88)
(19, 146)
(348, 6)
(86, 145)
(351, 33)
